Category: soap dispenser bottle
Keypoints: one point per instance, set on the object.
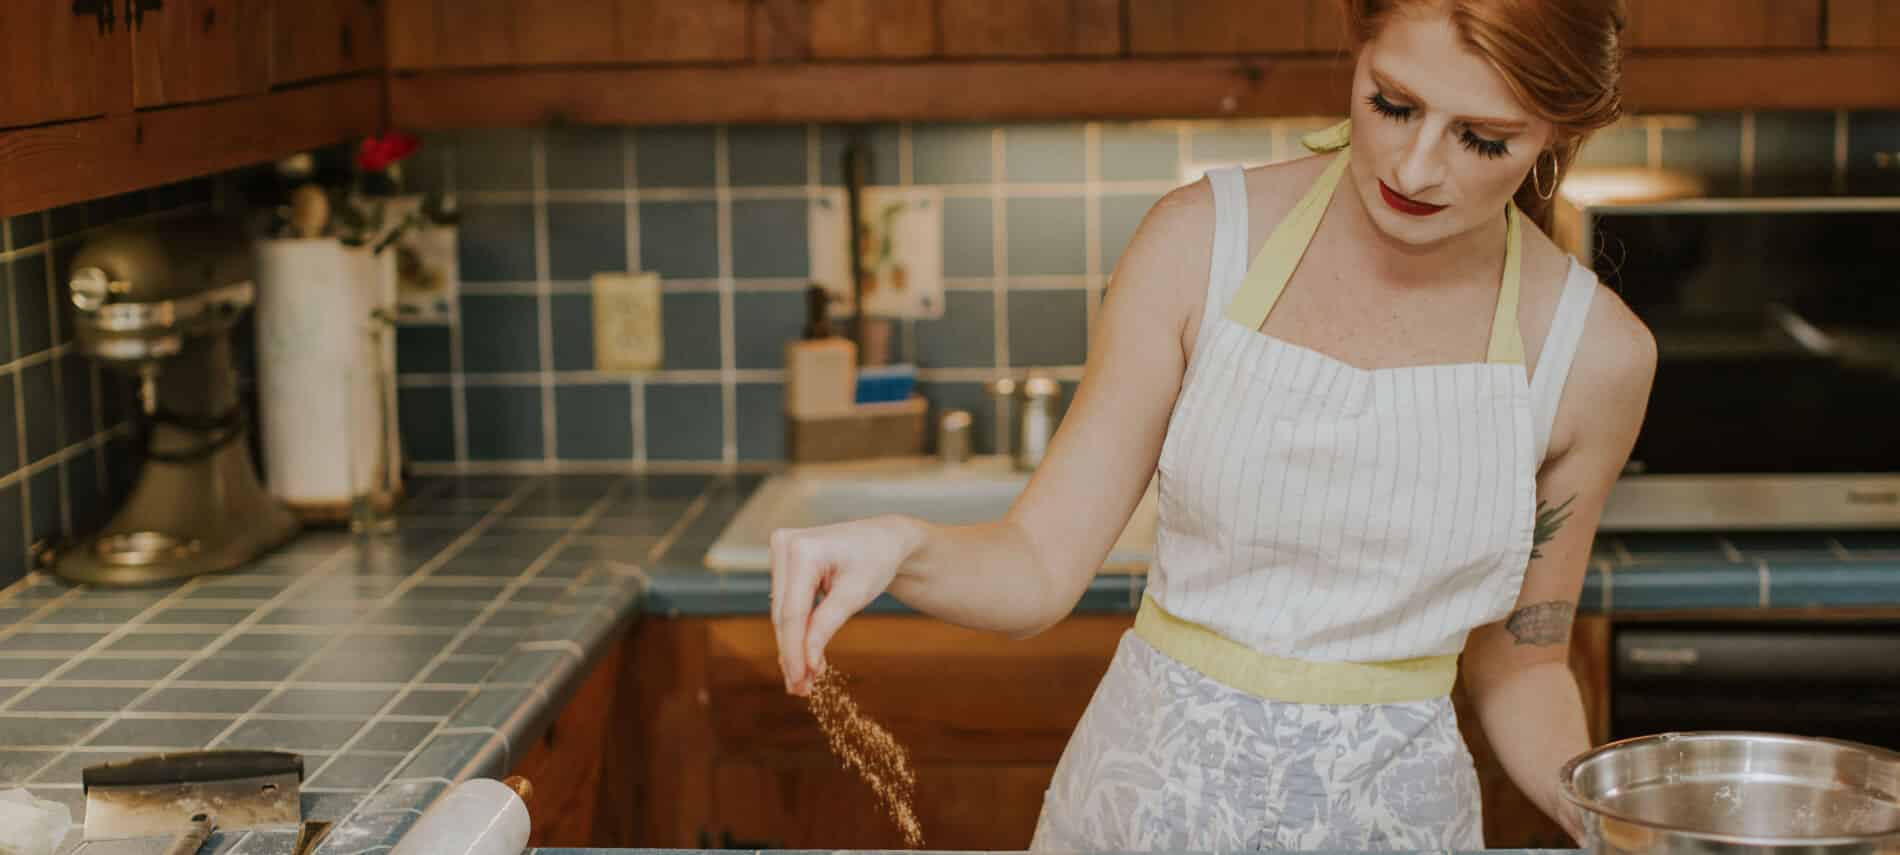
(821, 367)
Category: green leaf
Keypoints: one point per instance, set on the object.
(1548, 521)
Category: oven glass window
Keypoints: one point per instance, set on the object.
(1778, 337)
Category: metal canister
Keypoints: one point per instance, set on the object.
(1037, 425)
(953, 436)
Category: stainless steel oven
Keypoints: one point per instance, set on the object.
(1777, 319)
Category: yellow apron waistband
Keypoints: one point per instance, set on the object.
(1291, 680)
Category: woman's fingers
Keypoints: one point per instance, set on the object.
(837, 607)
(794, 584)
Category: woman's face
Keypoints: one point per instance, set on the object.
(1439, 143)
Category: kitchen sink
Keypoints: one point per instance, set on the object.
(976, 490)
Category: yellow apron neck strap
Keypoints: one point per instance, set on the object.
(1330, 139)
(1273, 265)
(1507, 343)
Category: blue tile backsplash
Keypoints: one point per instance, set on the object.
(65, 442)
(1035, 217)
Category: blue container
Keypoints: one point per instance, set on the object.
(882, 384)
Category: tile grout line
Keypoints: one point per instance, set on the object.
(770, 285)
(19, 395)
(390, 597)
(544, 303)
(64, 499)
(594, 467)
(794, 192)
(728, 320)
(534, 568)
(204, 653)
(906, 177)
(20, 475)
(458, 384)
(999, 271)
(686, 518)
(630, 188)
(47, 243)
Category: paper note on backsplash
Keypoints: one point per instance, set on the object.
(626, 322)
(901, 244)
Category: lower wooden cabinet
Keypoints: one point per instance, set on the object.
(684, 737)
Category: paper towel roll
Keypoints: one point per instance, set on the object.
(477, 817)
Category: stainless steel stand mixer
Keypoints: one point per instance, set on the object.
(157, 301)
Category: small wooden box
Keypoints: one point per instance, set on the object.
(865, 431)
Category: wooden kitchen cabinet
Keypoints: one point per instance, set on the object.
(1043, 28)
(703, 748)
(325, 38)
(1724, 24)
(671, 31)
(802, 30)
(1198, 27)
(63, 61)
(1863, 23)
(186, 51)
(445, 34)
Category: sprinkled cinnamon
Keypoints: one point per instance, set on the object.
(865, 746)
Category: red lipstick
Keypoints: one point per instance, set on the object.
(1407, 206)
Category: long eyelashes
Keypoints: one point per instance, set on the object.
(1387, 108)
(1481, 146)
(1485, 148)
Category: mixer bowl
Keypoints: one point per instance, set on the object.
(1736, 793)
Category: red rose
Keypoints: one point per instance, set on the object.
(377, 153)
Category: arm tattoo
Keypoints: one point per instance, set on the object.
(1542, 624)
(1549, 520)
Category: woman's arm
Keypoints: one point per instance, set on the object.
(1021, 574)
(1517, 670)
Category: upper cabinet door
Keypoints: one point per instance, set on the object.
(325, 38)
(1191, 27)
(1031, 28)
(442, 34)
(499, 33)
(1863, 23)
(798, 30)
(1717, 24)
(199, 50)
(675, 31)
(63, 60)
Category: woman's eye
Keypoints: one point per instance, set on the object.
(1484, 147)
(1388, 109)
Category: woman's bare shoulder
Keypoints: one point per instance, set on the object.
(1273, 189)
(1607, 389)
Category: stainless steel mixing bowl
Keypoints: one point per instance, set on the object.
(1736, 793)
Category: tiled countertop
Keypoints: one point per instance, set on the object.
(398, 664)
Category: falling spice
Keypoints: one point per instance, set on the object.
(866, 747)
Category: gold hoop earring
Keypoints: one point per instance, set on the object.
(1537, 181)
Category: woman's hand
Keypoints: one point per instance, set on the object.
(848, 564)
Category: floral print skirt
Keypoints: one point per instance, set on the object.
(1166, 758)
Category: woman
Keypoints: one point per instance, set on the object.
(1385, 411)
